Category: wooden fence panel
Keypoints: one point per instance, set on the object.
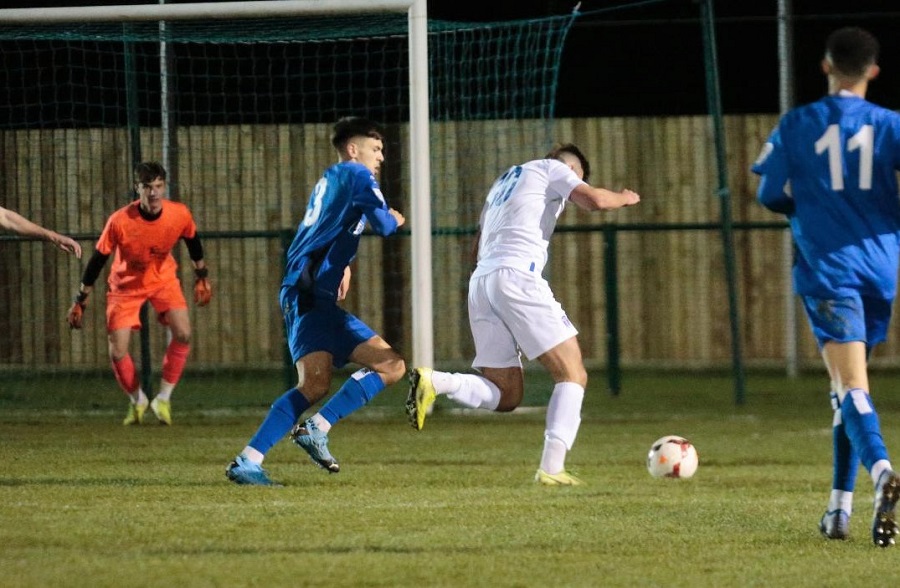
(673, 305)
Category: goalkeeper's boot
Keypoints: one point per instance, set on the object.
(563, 478)
(884, 522)
(421, 396)
(313, 441)
(163, 410)
(135, 414)
(835, 524)
(244, 471)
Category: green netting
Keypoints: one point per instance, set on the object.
(240, 111)
(274, 70)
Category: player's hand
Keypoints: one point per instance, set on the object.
(202, 291)
(66, 244)
(630, 198)
(76, 314)
(344, 286)
(397, 216)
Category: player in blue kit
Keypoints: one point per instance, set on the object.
(322, 335)
(830, 168)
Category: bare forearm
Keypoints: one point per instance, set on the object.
(15, 222)
(591, 198)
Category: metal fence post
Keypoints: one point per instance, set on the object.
(611, 273)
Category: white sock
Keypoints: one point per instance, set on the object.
(138, 397)
(320, 422)
(553, 459)
(476, 392)
(841, 499)
(563, 420)
(253, 455)
(878, 468)
(165, 390)
(445, 382)
(564, 412)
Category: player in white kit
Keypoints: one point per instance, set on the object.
(512, 309)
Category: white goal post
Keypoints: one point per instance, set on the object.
(419, 148)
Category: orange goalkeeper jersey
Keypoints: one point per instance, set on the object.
(143, 248)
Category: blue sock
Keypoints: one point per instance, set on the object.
(356, 392)
(862, 427)
(281, 418)
(846, 462)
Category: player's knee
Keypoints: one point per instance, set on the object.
(509, 400)
(393, 371)
(507, 407)
(116, 351)
(182, 337)
(578, 376)
(314, 389)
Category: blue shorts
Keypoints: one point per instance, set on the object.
(842, 320)
(321, 327)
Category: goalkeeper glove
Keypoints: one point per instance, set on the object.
(76, 313)
(202, 288)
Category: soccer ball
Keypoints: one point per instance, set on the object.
(672, 456)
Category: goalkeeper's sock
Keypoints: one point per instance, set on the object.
(863, 428)
(174, 360)
(474, 391)
(165, 391)
(357, 391)
(126, 375)
(138, 397)
(281, 418)
(846, 462)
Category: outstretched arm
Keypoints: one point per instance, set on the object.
(590, 198)
(15, 222)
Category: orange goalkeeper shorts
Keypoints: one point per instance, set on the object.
(123, 310)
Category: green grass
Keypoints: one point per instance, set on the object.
(87, 502)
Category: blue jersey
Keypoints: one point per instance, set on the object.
(830, 167)
(342, 201)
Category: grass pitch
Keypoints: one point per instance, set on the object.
(87, 502)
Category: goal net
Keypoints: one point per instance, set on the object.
(240, 111)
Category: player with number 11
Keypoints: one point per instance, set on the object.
(830, 166)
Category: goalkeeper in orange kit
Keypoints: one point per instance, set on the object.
(142, 236)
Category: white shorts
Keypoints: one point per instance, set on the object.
(512, 310)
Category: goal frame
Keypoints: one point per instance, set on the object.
(420, 168)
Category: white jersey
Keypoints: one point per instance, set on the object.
(520, 213)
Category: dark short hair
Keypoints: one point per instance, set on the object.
(571, 149)
(147, 171)
(354, 126)
(851, 50)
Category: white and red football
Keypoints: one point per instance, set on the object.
(672, 456)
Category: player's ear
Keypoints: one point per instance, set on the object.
(352, 150)
(826, 66)
(872, 71)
